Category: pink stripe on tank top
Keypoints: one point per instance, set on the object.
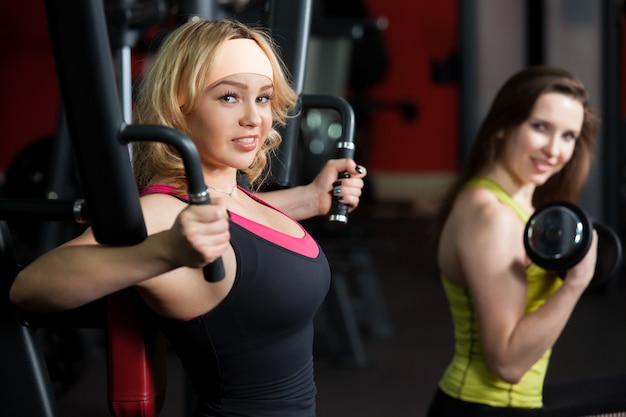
(304, 245)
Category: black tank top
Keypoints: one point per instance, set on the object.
(252, 354)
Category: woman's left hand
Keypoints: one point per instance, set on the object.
(315, 199)
(328, 184)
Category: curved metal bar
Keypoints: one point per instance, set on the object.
(327, 101)
(197, 190)
(345, 146)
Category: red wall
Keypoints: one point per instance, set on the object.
(28, 85)
(419, 33)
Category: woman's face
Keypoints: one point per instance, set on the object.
(232, 119)
(544, 143)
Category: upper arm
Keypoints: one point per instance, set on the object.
(159, 212)
(182, 292)
(492, 258)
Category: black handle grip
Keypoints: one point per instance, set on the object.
(214, 271)
(339, 210)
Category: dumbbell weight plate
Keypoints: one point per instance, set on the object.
(557, 236)
(609, 254)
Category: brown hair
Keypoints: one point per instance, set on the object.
(182, 64)
(513, 105)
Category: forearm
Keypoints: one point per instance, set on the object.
(315, 198)
(537, 332)
(298, 202)
(71, 276)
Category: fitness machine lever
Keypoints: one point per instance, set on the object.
(197, 192)
(345, 144)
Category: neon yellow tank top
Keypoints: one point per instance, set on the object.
(468, 377)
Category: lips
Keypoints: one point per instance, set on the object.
(246, 143)
(542, 165)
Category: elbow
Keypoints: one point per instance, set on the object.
(31, 296)
(20, 298)
(26, 299)
(505, 366)
(506, 369)
(509, 373)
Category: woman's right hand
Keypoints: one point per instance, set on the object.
(200, 234)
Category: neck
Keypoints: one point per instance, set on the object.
(523, 193)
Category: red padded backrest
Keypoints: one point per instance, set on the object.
(136, 359)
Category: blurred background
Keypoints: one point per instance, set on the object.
(419, 76)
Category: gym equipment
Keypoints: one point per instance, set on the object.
(345, 144)
(31, 393)
(198, 192)
(290, 23)
(558, 235)
(104, 124)
(99, 138)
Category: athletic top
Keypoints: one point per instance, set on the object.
(469, 377)
(251, 356)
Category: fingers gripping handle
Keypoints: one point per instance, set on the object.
(339, 210)
(345, 146)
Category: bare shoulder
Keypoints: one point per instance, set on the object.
(160, 211)
(481, 234)
(478, 209)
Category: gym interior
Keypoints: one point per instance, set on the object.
(418, 77)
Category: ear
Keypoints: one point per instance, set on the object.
(501, 134)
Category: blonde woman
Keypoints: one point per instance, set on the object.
(245, 341)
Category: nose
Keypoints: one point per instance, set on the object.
(552, 145)
(250, 115)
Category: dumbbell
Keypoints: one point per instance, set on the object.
(558, 235)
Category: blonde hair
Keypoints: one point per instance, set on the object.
(180, 68)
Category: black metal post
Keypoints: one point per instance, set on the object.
(614, 163)
(290, 24)
(468, 50)
(85, 70)
(535, 32)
